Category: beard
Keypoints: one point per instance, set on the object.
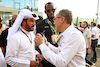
(51, 18)
(29, 28)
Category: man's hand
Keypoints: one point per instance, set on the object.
(34, 64)
(40, 57)
(88, 51)
(2, 50)
(45, 40)
(39, 39)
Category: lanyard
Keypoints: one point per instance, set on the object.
(52, 26)
(27, 37)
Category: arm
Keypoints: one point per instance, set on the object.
(93, 36)
(53, 48)
(2, 50)
(89, 41)
(62, 58)
(93, 33)
(3, 40)
(89, 50)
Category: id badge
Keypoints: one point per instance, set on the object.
(54, 38)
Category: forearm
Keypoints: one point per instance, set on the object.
(53, 48)
(93, 36)
(17, 62)
(50, 56)
(89, 39)
(2, 50)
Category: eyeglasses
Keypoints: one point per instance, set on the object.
(53, 10)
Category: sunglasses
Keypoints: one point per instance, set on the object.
(53, 10)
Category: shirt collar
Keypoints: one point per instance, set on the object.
(66, 31)
(85, 29)
(25, 31)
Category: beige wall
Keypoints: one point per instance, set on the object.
(5, 10)
(12, 11)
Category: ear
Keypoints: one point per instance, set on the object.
(62, 20)
(45, 11)
(23, 22)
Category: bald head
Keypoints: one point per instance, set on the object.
(48, 5)
(13, 19)
(49, 10)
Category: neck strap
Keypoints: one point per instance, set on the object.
(27, 37)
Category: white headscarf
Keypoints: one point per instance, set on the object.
(24, 14)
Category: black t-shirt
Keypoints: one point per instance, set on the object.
(43, 27)
(3, 39)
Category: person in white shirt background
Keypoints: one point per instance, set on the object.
(87, 36)
(20, 46)
(91, 26)
(2, 60)
(71, 51)
(94, 39)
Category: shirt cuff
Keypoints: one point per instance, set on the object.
(43, 47)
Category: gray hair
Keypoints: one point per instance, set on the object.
(67, 14)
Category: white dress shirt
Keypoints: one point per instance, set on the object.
(87, 34)
(95, 31)
(19, 49)
(2, 60)
(71, 51)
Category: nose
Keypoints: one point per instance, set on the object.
(34, 23)
(54, 22)
(51, 12)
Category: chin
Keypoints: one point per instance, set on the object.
(51, 18)
(31, 29)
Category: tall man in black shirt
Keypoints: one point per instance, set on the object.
(47, 28)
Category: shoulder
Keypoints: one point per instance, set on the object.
(17, 35)
(74, 30)
(41, 22)
(5, 31)
(87, 30)
(77, 33)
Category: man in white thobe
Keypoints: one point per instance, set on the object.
(2, 59)
(20, 46)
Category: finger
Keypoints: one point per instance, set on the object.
(37, 63)
(38, 34)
